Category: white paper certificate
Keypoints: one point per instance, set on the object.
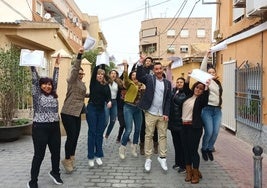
(32, 58)
(89, 43)
(102, 59)
(201, 76)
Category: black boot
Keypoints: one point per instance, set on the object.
(210, 155)
(204, 155)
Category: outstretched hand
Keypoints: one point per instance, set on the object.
(81, 50)
(142, 58)
(57, 62)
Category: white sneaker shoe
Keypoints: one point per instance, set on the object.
(148, 165)
(91, 163)
(134, 150)
(122, 151)
(99, 161)
(163, 163)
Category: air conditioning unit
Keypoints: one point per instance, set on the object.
(183, 50)
(256, 7)
(75, 20)
(240, 3)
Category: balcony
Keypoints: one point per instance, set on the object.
(56, 8)
(239, 3)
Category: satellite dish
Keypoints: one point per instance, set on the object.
(47, 16)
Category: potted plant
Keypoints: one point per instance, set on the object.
(14, 84)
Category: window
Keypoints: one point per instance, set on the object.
(184, 33)
(171, 49)
(171, 33)
(39, 8)
(149, 32)
(184, 48)
(238, 14)
(201, 33)
(248, 95)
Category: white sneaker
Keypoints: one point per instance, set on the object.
(99, 161)
(134, 150)
(148, 165)
(122, 151)
(91, 163)
(163, 163)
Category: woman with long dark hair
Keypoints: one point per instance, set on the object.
(45, 128)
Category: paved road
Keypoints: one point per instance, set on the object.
(15, 162)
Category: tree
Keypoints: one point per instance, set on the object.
(14, 83)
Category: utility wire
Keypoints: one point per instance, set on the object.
(130, 12)
(182, 27)
(14, 10)
(174, 19)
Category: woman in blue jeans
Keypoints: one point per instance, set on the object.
(132, 114)
(115, 84)
(211, 114)
(95, 116)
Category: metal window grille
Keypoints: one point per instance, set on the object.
(248, 95)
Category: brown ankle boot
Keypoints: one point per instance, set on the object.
(156, 150)
(199, 174)
(195, 176)
(188, 169)
(142, 148)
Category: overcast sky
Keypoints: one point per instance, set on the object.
(120, 20)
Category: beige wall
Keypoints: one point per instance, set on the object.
(251, 48)
(163, 41)
(183, 71)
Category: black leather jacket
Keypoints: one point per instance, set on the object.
(177, 100)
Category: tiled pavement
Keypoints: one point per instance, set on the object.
(232, 167)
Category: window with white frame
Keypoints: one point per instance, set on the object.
(184, 33)
(184, 48)
(171, 33)
(39, 8)
(201, 33)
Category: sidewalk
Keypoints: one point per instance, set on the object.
(236, 158)
(232, 167)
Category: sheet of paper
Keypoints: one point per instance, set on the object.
(200, 75)
(32, 58)
(102, 59)
(89, 43)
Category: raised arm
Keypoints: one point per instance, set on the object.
(125, 74)
(56, 72)
(76, 67)
(204, 62)
(35, 82)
